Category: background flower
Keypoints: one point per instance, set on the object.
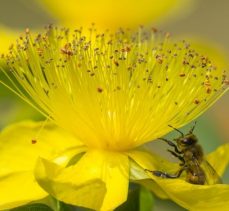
(111, 14)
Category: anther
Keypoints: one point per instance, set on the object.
(100, 90)
(196, 101)
(182, 74)
(33, 141)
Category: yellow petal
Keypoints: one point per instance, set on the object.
(22, 143)
(89, 193)
(113, 14)
(140, 176)
(149, 161)
(20, 146)
(154, 187)
(98, 181)
(219, 159)
(196, 197)
(19, 188)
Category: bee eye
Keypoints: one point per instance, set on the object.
(187, 141)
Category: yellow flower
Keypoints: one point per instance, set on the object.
(111, 93)
(113, 14)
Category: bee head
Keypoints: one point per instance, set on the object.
(187, 140)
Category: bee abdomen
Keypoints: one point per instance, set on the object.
(198, 178)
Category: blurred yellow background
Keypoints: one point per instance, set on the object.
(205, 20)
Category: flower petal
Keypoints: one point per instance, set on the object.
(143, 160)
(22, 143)
(196, 197)
(151, 161)
(67, 188)
(19, 188)
(98, 181)
(219, 159)
(20, 146)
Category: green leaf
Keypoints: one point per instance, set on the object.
(67, 207)
(33, 207)
(146, 200)
(139, 199)
(61, 206)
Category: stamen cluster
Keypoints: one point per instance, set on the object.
(113, 90)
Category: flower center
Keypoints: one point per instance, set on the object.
(113, 91)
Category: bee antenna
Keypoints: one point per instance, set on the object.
(193, 127)
(176, 130)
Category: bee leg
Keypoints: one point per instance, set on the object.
(192, 129)
(180, 171)
(171, 144)
(166, 175)
(177, 156)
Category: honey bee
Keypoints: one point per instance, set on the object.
(191, 156)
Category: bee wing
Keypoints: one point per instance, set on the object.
(211, 175)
